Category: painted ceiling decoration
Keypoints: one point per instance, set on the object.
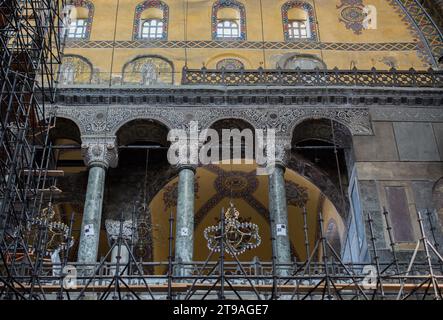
(296, 194)
(235, 185)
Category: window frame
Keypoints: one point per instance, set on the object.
(74, 25)
(224, 28)
(311, 24)
(148, 36)
(87, 20)
(138, 21)
(299, 28)
(241, 21)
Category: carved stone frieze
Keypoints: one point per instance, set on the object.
(106, 120)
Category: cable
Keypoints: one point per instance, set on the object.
(263, 35)
(185, 29)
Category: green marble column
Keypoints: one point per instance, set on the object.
(184, 234)
(279, 219)
(98, 157)
(92, 213)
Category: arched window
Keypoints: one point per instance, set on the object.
(230, 64)
(79, 25)
(75, 70)
(303, 62)
(227, 29)
(152, 29)
(147, 71)
(151, 21)
(298, 21)
(228, 20)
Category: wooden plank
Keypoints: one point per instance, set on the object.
(49, 173)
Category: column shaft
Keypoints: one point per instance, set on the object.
(184, 239)
(92, 213)
(279, 218)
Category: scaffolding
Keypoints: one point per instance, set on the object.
(322, 276)
(30, 52)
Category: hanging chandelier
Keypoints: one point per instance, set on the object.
(238, 236)
(57, 232)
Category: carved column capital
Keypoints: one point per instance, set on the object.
(282, 152)
(187, 155)
(113, 230)
(100, 153)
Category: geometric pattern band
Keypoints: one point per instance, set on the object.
(202, 44)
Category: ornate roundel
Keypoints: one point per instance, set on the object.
(353, 14)
(236, 184)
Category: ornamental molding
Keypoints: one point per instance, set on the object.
(219, 96)
(103, 122)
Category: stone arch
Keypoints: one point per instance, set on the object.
(320, 129)
(349, 126)
(236, 119)
(138, 130)
(65, 128)
(151, 117)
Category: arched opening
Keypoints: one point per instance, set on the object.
(327, 145)
(217, 185)
(142, 168)
(236, 138)
(72, 177)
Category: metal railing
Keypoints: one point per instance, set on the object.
(316, 77)
(262, 77)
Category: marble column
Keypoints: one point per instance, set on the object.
(98, 157)
(120, 252)
(278, 211)
(184, 227)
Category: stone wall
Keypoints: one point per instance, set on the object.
(405, 157)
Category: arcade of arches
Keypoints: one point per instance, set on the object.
(144, 176)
